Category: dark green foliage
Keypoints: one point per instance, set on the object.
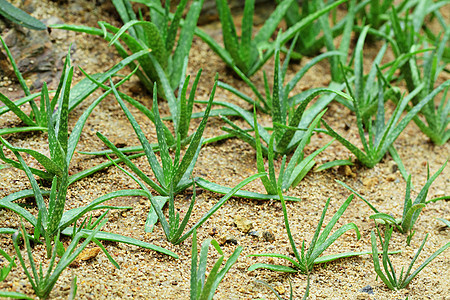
(246, 56)
(423, 76)
(157, 36)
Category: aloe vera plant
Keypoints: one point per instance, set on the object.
(381, 135)
(246, 56)
(202, 287)
(52, 220)
(425, 76)
(365, 89)
(411, 210)
(159, 36)
(37, 119)
(172, 227)
(41, 283)
(277, 101)
(62, 146)
(389, 276)
(306, 259)
(289, 122)
(172, 174)
(296, 169)
(312, 41)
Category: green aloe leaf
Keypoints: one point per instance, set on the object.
(113, 237)
(277, 268)
(20, 17)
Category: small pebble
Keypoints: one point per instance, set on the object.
(227, 239)
(254, 233)
(269, 236)
(391, 177)
(244, 225)
(367, 289)
(280, 289)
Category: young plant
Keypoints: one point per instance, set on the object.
(202, 287)
(20, 17)
(290, 176)
(159, 36)
(246, 56)
(389, 277)
(407, 43)
(41, 283)
(296, 169)
(311, 41)
(289, 123)
(411, 210)
(305, 260)
(37, 119)
(381, 136)
(278, 101)
(365, 88)
(54, 114)
(172, 227)
(171, 175)
(52, 220)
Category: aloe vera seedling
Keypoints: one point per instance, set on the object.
(43, 283)
(389, 276)
(52, 220)
(411, 210)
(381, 135)
(306, 259)
(54, 114)
(202, 287)
(172, 174)
(37, 119)
(245, 56)
(365, 88)
(159, 36)
(172, 227)
(278, 102)
(289, 122)
(424, 76)
(296, 169)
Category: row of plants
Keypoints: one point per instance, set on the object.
(153, 52)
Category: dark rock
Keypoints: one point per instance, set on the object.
(367, 289)
(35, 55)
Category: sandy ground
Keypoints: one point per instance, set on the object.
(145, 274)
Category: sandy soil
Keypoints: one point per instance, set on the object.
(145, 274)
